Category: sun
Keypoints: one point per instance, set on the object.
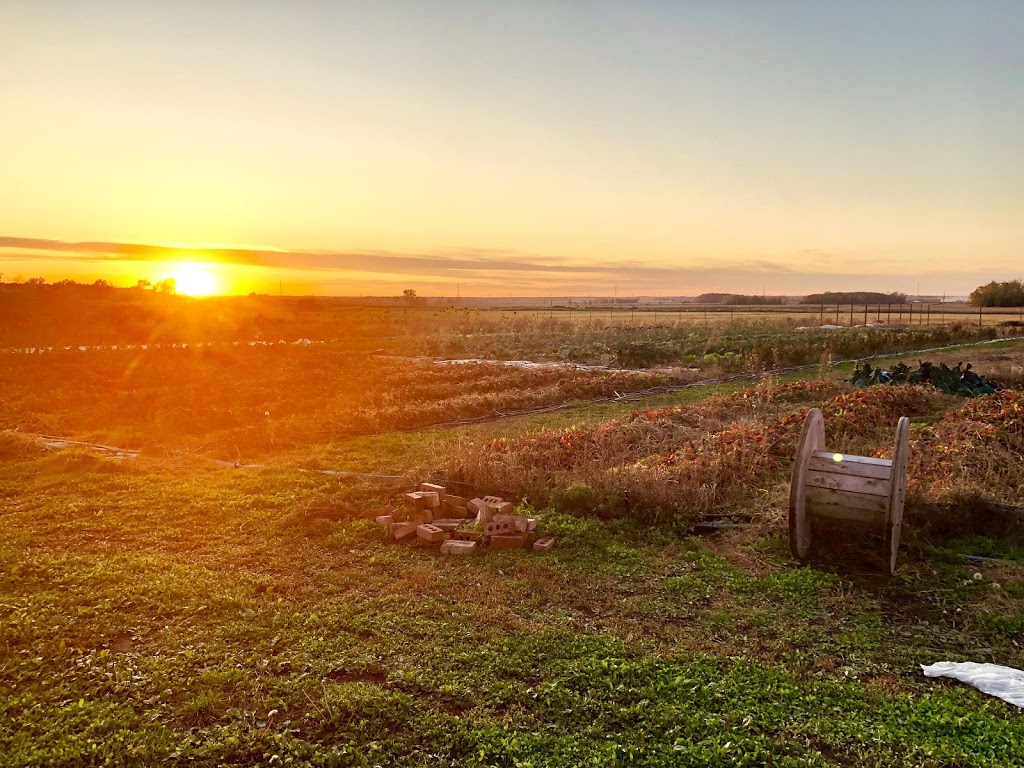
(194, 280)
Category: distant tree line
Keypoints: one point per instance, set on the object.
(167, 285)
(737, 299)
(1008, 294)
(855, 297)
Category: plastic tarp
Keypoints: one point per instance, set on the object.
(1005, 683)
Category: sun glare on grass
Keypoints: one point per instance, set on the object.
(194, 280)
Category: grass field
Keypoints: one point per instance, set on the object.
(162, 610)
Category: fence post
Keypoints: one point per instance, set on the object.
(821, 313)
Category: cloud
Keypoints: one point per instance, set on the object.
(464, 263)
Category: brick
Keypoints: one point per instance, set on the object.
(440, 490)
(449, 526)
(504, 508)
(456, 547)
(510, 541)
(469, 534)
(384, 520)
(457, 501)
(499, 526)
(454, 511)
(531, 524)
(387, 509)
(482, 512)
(431, 533)
(520, 523)
(543, 545)
(430, 499)
(493, 501)
(403, 531)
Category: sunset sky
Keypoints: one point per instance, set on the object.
(523, 148)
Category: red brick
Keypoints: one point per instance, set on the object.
(499, 526)
(456, 547)
(512, 541)
(403, 530)
(431, 533)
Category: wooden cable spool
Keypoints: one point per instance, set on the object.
(843, 487)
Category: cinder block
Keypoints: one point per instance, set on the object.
(520, 523)
(431, 533)
(457, 501)
(434, 488)
(448, 526)
(543, 545)
(412, 500)
(457, 547)
(430, 499)
(384, 520)
(504, 508)
(510, 541)
(493, 501)
(531, 524)
(402, 531)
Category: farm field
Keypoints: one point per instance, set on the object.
(167, 610)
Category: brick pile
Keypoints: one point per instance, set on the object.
(435, 518)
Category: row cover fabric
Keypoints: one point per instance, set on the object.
(1005, 683)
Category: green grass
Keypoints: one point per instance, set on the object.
(161, 614)
(150, 615)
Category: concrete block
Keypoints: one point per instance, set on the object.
(520, 523)
(457, 547)
(457, 501)
(402, 531)
(531, 524)
(430, 499)
(508, 541)
(447, 525)
(431, 533)
(384, 520)
(493, 501)
(504, 508)
(434, 488)
(543, 545)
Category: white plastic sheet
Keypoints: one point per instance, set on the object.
(1005, 683)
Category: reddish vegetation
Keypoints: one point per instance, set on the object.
(269, 398)
(684, 462)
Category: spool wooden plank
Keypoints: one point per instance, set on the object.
(865, 501)
(837, 512)
(812, 438)
(830, 455)
(850, 483)
(894, 516)
(879, 469)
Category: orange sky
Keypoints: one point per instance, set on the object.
(525, 149)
